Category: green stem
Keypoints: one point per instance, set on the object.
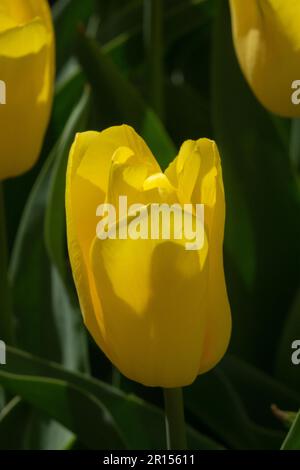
(175, 424)
(6, 317)
(153, 38)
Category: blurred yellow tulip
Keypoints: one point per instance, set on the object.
(159, 312)
(266, 37)
(26, 75)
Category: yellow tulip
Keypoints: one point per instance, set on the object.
(159, 312)
(267, 42)
(26, 74)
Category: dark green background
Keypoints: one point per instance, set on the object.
(50, 397)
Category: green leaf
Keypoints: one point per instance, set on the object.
(55, 224)
(295, 144)
(180, 19)
(43, 304)
(32, 287)
(44, 433)
(38, 293)
(31, 277)
(117, 101)
(262, 234)
(214, 402)
(13, 425)
(118, 19)
(198, 441)
(285, 417)
(67, 15)
(186, 17)
(22, 428)
(6, 312)
(2, 398)
(141, 424)
(68, 92)
(258, 391)
(187, 113)
(74, 408)
(292, 440)
(69, 89)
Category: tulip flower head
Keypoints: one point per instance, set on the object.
(26, 77)
(158, 310)
(266, 37)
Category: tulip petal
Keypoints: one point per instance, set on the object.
(198, 175)
(87, 180)
(22, 11)
(24, 40)
(16, 12)
(154, 310)
(158, 311)
(266, 37)
(82, 199)
(27, 69)
(134, 179)
(95, 167)
(218, 330)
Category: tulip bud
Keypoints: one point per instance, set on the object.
(158, 310)
(26, 75)
(266, 37)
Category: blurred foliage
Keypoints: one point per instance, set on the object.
(292, 440)
(58, 385)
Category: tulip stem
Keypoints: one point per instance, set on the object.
(175, 424)
(6, 318)
(153, 40)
